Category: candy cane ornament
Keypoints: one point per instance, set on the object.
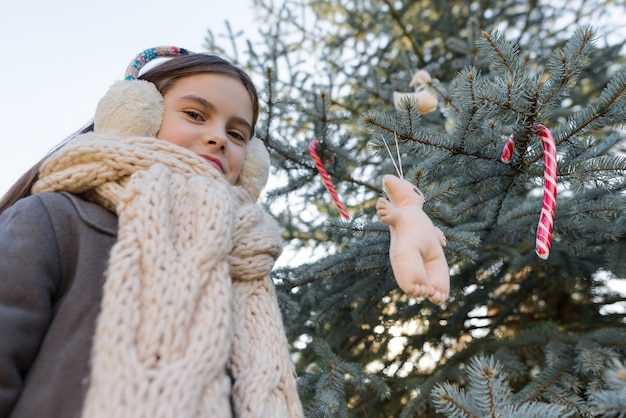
(546, 220)
(326, 178)
(507, 151)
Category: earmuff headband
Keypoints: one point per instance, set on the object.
(132, 72)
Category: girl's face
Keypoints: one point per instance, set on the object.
(211, 115)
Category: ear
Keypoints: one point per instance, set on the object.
(256, 168)
(130, 108)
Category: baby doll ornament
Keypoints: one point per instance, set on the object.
(416, 249)
(426, 99)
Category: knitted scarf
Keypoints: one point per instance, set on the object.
(189, 323)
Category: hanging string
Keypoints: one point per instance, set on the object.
(326, 178)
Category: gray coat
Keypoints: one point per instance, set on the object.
(54, 249)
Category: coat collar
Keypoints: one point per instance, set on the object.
(94, 215)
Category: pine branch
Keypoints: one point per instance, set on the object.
(469, 116)
(397, 18)
(570, 60)
(594, 112)
(494, 41)
(449, 404)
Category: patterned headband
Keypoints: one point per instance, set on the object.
(132, 72)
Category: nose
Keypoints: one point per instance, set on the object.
(216, 138)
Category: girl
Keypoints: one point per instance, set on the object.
(134, 279)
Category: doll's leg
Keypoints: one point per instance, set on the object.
(411, 276)
(438, 274)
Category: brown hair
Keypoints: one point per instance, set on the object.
(163, 76)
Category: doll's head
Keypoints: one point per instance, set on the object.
(136, 107)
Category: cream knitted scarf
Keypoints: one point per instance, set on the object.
(189, 323)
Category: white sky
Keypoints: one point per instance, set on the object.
(60, 57)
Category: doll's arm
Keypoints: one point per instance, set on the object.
(387, 212)
(441, 236)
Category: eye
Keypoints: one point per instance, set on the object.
(237, 136)
(194, 115)
(417, 192)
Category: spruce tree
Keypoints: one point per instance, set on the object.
(519, 336)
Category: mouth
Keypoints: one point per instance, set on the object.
(214, 162)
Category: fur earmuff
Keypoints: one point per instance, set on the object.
(130, 108)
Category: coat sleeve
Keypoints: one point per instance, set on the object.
(29, 275)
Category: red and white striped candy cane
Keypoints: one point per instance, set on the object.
(507, 151)
(329, 185)
(546, 220)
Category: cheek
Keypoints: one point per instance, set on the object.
(165, 133)
(236, 160)
(174, 132)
